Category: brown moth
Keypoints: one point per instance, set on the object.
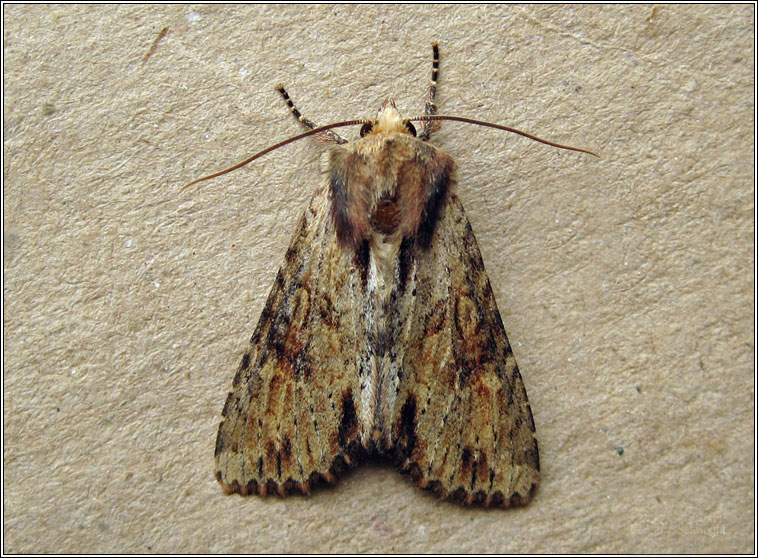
(381, 335)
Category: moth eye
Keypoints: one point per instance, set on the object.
(366, 128)
(411, 128)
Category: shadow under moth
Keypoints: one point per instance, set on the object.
(381, 335)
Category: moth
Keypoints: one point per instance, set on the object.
(381, 334)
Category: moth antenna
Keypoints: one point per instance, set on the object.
(329, 137)
(427, 118)
(312, 132)
(500, 127)
(430, 107)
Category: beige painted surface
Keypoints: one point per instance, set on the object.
(625, 283)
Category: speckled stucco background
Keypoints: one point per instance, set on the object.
(625, 283)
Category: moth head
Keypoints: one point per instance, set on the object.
(388, 119)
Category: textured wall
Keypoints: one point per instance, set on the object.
(625, 283)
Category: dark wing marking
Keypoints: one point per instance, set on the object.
(458, 420)
(296, 411)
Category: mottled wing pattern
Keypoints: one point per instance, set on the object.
(293, 416)
(460, 421)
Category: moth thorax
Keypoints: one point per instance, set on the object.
(386, 215)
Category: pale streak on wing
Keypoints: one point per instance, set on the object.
(293, 416)
(460, 422)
